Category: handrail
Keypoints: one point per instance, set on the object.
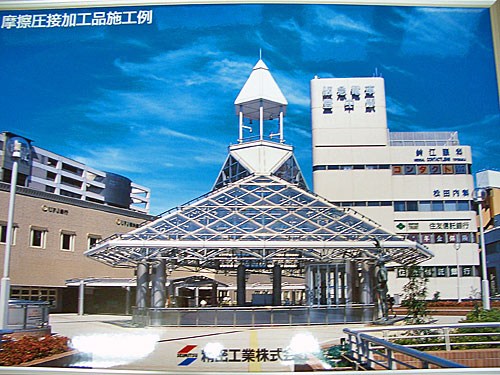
(422, 356)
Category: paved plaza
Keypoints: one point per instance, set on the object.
(111, 342)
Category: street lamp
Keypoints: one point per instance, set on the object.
(5, 282)
(479, 195)
(457, 247)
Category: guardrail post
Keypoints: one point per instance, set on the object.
(389, 359)
(446, 332)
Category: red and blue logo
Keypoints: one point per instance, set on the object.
(187, 355)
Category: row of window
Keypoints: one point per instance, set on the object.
(31, 293)
(38, 238)
(428, 238)
(399, 169)
(441, 271)
(402, 206)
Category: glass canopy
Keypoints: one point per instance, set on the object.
(258, 220)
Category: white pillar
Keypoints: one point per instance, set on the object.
(484, 282)
(281, 124)
(197, 297)
(81, 298)
(241, 126)
(261, 120)
(158, 295)
(5, 282)
(142, 285)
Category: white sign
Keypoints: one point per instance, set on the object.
(57, 20)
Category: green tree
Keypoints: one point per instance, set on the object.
(414, 296)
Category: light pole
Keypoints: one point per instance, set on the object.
(5, 282)
(479, 197)
(457, 247)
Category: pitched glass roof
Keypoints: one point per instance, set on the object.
(261, 220)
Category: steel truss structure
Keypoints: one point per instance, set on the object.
(258, 221)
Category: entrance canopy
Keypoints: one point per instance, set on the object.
(258, 221)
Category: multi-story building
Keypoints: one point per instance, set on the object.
(417, 184)
(490, 180)
(62, 209)
(59, 175)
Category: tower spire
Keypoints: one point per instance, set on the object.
(260, 99)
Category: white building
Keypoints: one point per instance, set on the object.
(53, 173)
(418, 184)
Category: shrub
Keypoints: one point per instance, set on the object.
(29, 348)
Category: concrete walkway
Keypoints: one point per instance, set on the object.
(111, 344)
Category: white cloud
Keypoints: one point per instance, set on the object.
(438, 31)
(337, 21)
(398, 108)
(397, 69)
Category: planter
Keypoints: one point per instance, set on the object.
(57, 360)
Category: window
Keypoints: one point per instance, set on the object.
(93, 239)
(450, 205)
(463, 206)
(437, 206)
(399, 206)
(402, 272)
(68, 241)
(412, 206)
(425, 206)
(38, 237)
(3, 234)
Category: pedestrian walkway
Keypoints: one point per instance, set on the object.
(111, 343)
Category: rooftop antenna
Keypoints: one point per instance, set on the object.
(260, 53)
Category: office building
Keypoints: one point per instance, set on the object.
(490, 180)
(418, 184)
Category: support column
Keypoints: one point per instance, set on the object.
(158, 295)
(197, 296)
(241, 125)
(81, 298)
(127, 300)
(277, 285)
(366, 284)
(142, 285)
(261, 120)
(241, 286)
(349, 275)
(309, 286)
(213, 297)
(281, 124)
(366, 291)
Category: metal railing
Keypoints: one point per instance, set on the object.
(252, 316)
(368, 350)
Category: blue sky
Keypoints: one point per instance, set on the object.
(154, 102)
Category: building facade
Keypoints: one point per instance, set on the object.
(54, 224)
(417, 184)
(490, 180)
(53, 173)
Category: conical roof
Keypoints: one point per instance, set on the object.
(260, 86)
